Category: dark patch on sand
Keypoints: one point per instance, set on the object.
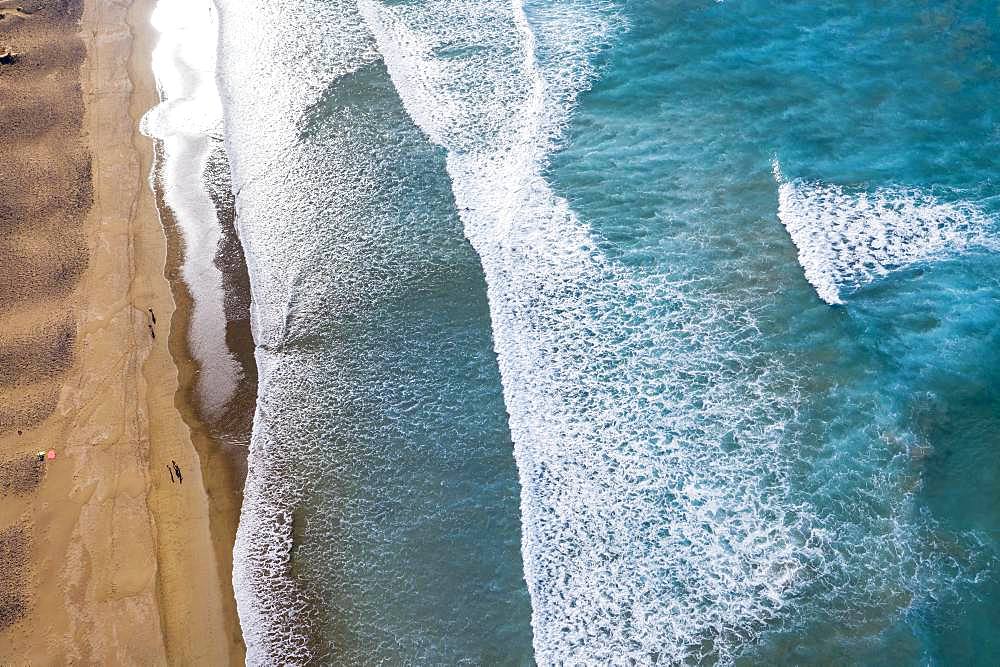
(24, 408)
(43, 353)
(21, 475)
(45, 193)
(27, 207)
(50, 269)
(66, 11)
(15, 545)
(31, 119)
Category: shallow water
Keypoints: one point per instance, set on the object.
(190, 168)
(549, 366)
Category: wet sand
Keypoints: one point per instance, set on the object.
(107, 558)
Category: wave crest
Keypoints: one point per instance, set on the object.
(847, 239)
(655, 511)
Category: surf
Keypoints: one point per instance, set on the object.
(647, 438)
(665, 513)
(848, 238)
(679, 496)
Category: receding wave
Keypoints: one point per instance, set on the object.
(274, 62)
(847, 239)
(186, 123)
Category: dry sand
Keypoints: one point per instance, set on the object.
(104, 558)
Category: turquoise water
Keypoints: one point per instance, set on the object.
(591, 332)
(898, 386)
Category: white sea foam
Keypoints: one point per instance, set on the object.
(651, 435)
(659, 519)
(846, 239)
(276, 57)
(656, 519)
(186, 122)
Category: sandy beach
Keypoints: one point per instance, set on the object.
(108, 558)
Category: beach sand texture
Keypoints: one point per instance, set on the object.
(106, 558)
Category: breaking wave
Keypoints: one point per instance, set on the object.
(668, 502)
(662, 520)
(275, 59)
(846, 239)
(655, 511)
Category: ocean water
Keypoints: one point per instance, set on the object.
(598, 332)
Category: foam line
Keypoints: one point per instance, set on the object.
(847, 239)
(275, 58)
(661, 516)
(641, 535)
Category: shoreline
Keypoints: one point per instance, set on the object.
(223, 462)
(119, 563)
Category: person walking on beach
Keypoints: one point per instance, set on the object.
(177, 471)
(171, 474)
(152, 315)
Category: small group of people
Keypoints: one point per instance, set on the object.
(176, 471)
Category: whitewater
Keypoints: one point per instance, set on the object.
(607, 434)
(650, 438)
(670, 511)
(849, 239)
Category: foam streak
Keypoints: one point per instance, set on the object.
(848, 239)
(644, 534)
